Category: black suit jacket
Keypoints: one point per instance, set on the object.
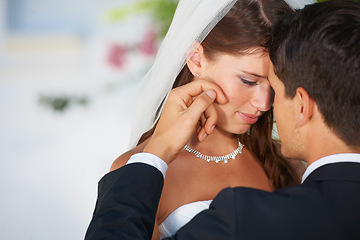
(127, 203)
(325, 206)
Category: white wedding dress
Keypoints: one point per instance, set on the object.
(180, 217)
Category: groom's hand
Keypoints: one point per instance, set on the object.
(183, 109)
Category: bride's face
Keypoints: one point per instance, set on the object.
(244, 80)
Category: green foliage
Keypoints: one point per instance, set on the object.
(62, 103)
(162, 11)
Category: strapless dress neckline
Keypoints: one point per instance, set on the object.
(180, 217)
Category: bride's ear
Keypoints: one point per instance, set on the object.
(195, 62)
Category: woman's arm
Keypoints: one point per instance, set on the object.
(156, 233)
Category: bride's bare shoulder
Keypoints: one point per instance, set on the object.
(123, 158)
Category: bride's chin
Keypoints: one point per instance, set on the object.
(242, 130)
(233, 130)
(238, 131)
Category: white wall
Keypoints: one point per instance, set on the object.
(2, 26)
(50, 163)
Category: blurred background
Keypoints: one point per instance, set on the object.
(68, 74)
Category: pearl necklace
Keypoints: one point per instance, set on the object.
(217, 159)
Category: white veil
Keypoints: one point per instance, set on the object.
(192, 22)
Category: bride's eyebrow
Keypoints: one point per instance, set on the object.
(255, 75)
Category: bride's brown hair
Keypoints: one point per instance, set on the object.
(247, 26)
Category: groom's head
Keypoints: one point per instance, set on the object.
(316, 55)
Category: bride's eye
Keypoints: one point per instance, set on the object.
(248, 82)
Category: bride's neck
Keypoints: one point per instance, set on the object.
(218, 143)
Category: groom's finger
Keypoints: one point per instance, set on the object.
(200, 104)
(211, 119)
(207, 128)
(189, 91)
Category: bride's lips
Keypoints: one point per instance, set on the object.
(248, 118)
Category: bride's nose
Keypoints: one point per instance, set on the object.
(261, 98)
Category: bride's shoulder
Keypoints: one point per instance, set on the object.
(123, 158)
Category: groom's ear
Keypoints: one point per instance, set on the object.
(196, 60)
(306, 106)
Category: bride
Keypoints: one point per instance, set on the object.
(224, 42)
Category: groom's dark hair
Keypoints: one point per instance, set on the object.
(318, 48)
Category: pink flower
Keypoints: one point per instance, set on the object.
(117, 55)
(148, 45)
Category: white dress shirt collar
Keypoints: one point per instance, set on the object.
(343, 157)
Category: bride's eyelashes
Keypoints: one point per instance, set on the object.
(248, 82)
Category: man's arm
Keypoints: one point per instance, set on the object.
(128, 197)
(127, 203)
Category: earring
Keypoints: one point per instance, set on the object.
(196, 74)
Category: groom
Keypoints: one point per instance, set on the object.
(316, 79)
